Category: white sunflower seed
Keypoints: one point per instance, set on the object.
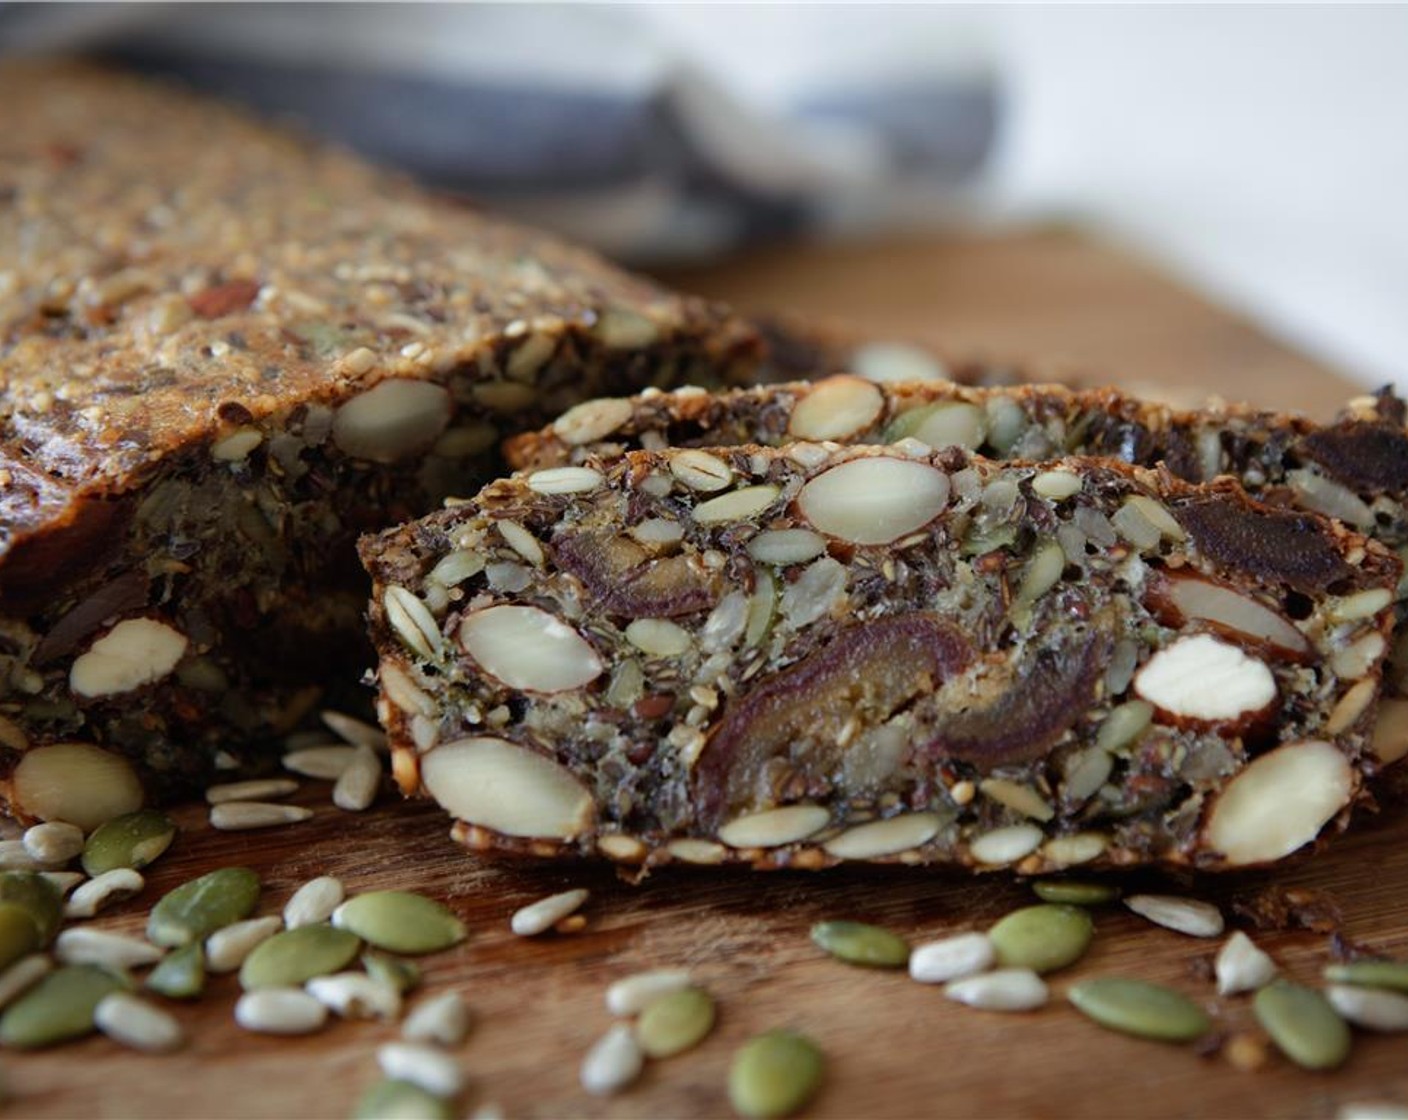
(262, 789)
(444, 1019)
(700, 470)
(1007, 989)
(632, 994)
(355, 995)
(280, 1011)
(886, 837)
(357, 786)
(614, 1062)
(236, 816)
(226, 949)
(786, 546)
(736, 505)
(1241, 966)
(433, 1070)
(413, 622)
(83, 945)
(591, 420)
(314, 902)
(774, 827)
(539, 917)
(564, 480)
(23, 975)
(1006, 845)
(323, 763)
(53, 842)
(351, 730)
(1182, 915)
(658, 637)
(402, 692)
(1374, 1009)
(136, 1023)
(96, 893)
(952, 958)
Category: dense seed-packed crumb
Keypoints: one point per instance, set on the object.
(227, 351)
(794, 657)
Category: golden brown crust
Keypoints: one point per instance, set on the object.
(163, 255)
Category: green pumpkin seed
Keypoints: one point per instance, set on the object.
(1139, 1008)
(1075, 892)
(132, 840)
(402, 1100)
(197, 909)
(1370, 974)
(38, 896)
(180, 974)
(862, 944)
(18, 935)
(59, 1007)
(293, 957)
(400, 922)
(674, 1022)
(774, 1075)
(1302, 1024)
(397, 972)
(1042, 938)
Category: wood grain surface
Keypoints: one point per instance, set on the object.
(894, 1048)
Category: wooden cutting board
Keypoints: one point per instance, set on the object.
(894, 1048)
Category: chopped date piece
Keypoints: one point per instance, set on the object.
(906, 655)
(227, 351)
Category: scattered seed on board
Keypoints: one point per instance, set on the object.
(260, 789)
(53, 842)
(280, 1011)
(23, 975)
(355, 995)
(134, 1022)
(952, 958)
(444, 1019)
(59, 1007)
(539, 917)
(614, 1061)
(774, 1075)
(357, 786)
(227, 948)
(314, 902)
(324, 764)
(862, 944)
(1183, 915)
(132, 840)
(1241, 966)
(1370, 974)
(237, 816)
(85, 945)
(674, 1022)
(15, 857)
(40, 900)
(433, 1070)
(1303, 1025)
(1007, 989)
(401, 974)
(354, 731)
(402, 1100)
(295, 956)
(180, 974)
(1043, 938)
(1372, 1110)
(1374, 1009)
(631, 994)
(1075, 892)
(1140, 1008)
(400, 922)
(111, 886)
(196, 909)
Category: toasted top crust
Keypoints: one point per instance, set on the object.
(162, 256)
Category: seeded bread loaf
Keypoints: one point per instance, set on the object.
(1354, 469)
(795, 657)
(226, 352)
